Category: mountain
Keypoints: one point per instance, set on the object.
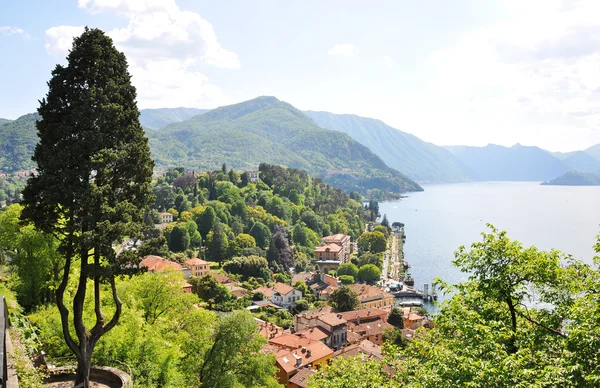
(516, 163)
(2, 121)
(421, 161)
(17, 142)
(576, 178)
(160, 118)
(593, 151)
(268, 130)
(582, 161)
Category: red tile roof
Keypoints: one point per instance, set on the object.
(283, 288)
(372, 313)
(301, 378)
(291, 341)
(159, 264)
(315, 333)
(331, 247)
(301, 357)
(195, 261)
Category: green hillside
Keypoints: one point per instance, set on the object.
(421, 161)
(575, 178)
(17, 142)
(2, 121)
(160, 118)
(268, 130)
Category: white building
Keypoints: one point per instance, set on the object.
(284, 295)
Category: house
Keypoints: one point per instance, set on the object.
(238, 292)
(332, 324)
(330, 252)
(159, 264)
(300, 379)
(268, 330)
(321, 284)
(284, 295)
(166, 217)
(327, 266)
(187, 288)
(314, 356)
(411, 319)
(199, 267)
(290, 341)
(365, 347)
(357, 317)
(372, 331)
(252, 176)
(373, 297)
(343, 240)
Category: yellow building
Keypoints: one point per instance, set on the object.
(373, 297)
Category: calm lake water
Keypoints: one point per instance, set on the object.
(443, 217)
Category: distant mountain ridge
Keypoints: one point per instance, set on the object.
(516, 163)
(419, 160)
(160, 118)
(268, 130)
(2, 121)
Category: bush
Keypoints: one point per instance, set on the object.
(347, 279)
(369, 273)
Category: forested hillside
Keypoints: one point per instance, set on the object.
(576, 178)
(17, 142)
(268, 130)
(421, 161)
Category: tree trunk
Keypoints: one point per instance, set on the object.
(84, 366)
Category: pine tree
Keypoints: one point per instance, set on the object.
(93, 183)
(279, 254)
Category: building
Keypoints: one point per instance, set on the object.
(330, 252)
(332, 324)
(358, 317)
(235, 290)
(159, 264)
(372, 331)
(268, 330)
(343, 240)
(313, 356)
(187, 288)
(165, 217)
(411, 319)
(373, 297)
(321, 284)
(284, 295)
(252, 176)
(300, 379)
(364, 347)
(198, 266)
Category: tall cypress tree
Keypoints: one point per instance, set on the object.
(93, 183)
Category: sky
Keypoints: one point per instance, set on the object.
(461, 72)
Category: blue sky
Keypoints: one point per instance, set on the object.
(459, 72)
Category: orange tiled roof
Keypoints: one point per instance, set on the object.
(365, 347)
(283, 288)
(340, 237)
(301, 378)
(195, 261)
(367, 293)
(371, 328)
(332, 319)
(364, 314)
(159, 264)
(315, 333)
(291, 341)
(329, 247)
(267, 291)
(301, 357)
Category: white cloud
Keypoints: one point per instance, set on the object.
(164, 45)
(7, 30)
(344, 49)
(535, 74)
(387, 61)
(59, 40)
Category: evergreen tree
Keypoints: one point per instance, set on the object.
(206, 221)
(385, 222)
(93, 183)
(261, 234)
(280, 255)
(218, 244)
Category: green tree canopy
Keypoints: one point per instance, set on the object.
(373, 242)
(369, 273)
(344, 299)
(347, 269)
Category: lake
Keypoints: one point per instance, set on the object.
(445, 216)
